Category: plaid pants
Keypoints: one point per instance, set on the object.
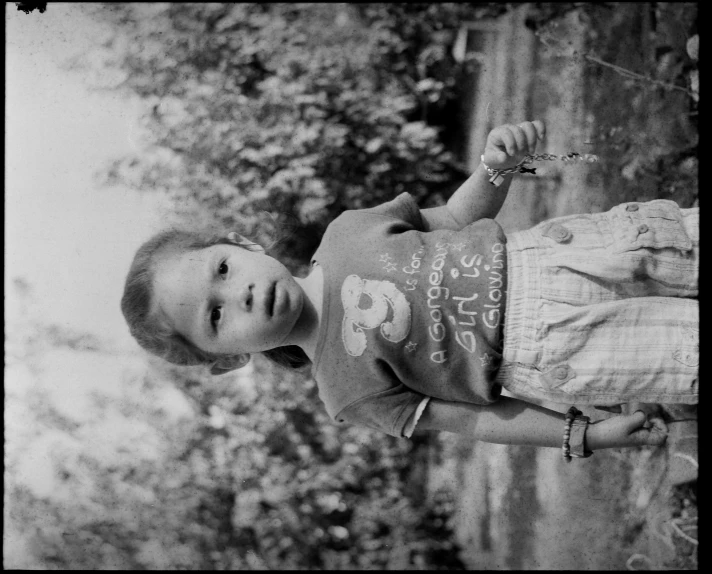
(602, 308)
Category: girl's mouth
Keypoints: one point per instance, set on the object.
(270, 299)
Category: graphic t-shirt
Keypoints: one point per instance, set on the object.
(407, 314)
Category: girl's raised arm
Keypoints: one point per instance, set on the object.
(477, 198)
(512, 421)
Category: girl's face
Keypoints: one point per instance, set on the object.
(226, 299)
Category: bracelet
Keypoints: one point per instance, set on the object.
(574, 435)
(497, 175)
(578, 438)
(569, 418)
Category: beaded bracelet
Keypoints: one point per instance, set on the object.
(497, 175)
(575, 418)
(569, 419)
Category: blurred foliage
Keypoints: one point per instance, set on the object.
(277, 117)
(686, 514)
(283, 487)
(181, 470)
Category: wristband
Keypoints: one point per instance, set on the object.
(575, 435)
(497, 175)
(578, 438)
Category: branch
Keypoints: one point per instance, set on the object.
(634, 76)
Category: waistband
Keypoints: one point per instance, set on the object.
(520, 328)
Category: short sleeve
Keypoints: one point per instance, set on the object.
(402, 207)
(387, 411)
(412, 422)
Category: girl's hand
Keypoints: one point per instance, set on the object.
(507, 145)
(627, 430)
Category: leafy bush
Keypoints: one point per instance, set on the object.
(252, 479)
(301, 491)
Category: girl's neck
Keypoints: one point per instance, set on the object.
(306, 331)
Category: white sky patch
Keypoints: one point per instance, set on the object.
(70, 240)
(68, 247)
(70, 243)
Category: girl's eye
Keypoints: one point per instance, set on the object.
(215, 315)
(222, 269)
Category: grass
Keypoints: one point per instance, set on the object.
(685, 538)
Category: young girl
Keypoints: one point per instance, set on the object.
(418, 318)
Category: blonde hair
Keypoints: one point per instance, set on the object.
(155, 334)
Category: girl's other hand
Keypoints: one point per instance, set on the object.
(508, 144)
(627, 430)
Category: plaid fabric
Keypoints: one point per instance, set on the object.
(602, 308)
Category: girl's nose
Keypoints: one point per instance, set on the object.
(239, 296)
(244, 297)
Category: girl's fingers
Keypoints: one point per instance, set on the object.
(512, 141)
(636, 421)
(531, 135)
(520, 137)
(654, 436)
(540, 128)
(505, 138)
(658, 425)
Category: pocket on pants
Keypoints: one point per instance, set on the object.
(655, 224)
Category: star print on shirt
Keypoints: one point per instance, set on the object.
(411, 346)
(385, 258)
(486, 360)
(458, 246)
(390, 267)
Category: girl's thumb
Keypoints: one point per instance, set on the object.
(637, 420)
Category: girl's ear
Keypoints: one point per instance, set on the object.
(244, 242)
(227, 364)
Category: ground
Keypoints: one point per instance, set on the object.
(523, 508)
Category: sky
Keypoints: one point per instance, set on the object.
(70, 243)
(68, 239)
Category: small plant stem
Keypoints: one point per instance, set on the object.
(679, 532)
(622, 71)
(634, 76)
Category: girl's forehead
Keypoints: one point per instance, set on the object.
(179, 284)
(180, 276)
(177, 257)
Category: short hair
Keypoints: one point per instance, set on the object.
(156, 335)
